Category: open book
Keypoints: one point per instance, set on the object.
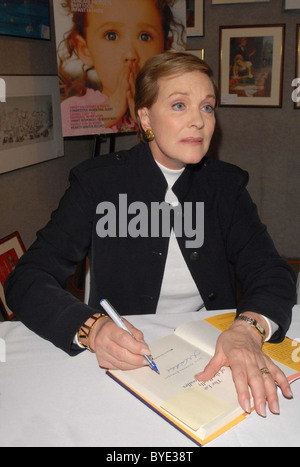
(202, 411)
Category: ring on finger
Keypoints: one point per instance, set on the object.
(265, 371)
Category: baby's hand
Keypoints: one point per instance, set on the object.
(131, 91)
(113, 109)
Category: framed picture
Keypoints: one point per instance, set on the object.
(29, 19)
(200, 53)
(296, 82)
(30, 121)
(223, 2)
(11, 250)
(195, 18)
(292, 4)
(251, 66)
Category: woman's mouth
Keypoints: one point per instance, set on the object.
(192, 141)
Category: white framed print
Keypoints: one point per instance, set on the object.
(292, 5)
(30, 121)
(194, 18)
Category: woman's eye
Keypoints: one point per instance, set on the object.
(145, 37)
(178, 106)
(208, 108)
(111, 36)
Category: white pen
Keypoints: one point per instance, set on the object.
(117, 319)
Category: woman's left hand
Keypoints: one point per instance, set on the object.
(240, 348)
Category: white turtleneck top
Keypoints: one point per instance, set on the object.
(179, 293)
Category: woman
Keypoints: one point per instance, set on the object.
(141, 272)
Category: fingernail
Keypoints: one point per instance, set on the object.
(275, 408)
(247, 406)
(290, 394)
(262, 410)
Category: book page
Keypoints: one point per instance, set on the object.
(199, 333)
(179, 357)
(203, 407)
(178, 362)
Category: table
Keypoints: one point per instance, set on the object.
(48, 399)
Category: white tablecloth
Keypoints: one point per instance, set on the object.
(50, 399)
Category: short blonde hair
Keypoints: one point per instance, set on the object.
(160, 66)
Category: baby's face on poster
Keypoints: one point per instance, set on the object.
(126, 34)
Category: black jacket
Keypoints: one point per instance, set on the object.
(129, 271)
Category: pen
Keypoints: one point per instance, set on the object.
(114, 315)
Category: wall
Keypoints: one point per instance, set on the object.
(265, 142)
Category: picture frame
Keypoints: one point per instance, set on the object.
(11, 250)
(200, 53)
(28, 19)
(30, 122)
(296, 92)
(292, 4)
(195, 18)
(251, 65)
(225, 2)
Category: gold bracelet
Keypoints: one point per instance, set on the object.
(85, 331)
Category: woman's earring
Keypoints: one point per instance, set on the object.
(149, 135)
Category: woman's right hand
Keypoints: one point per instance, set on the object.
(115, 348)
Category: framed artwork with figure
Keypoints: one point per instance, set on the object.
(251, 65)
(11, 250)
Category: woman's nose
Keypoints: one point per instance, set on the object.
(196, 118)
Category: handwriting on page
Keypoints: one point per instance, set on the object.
(185, 363)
